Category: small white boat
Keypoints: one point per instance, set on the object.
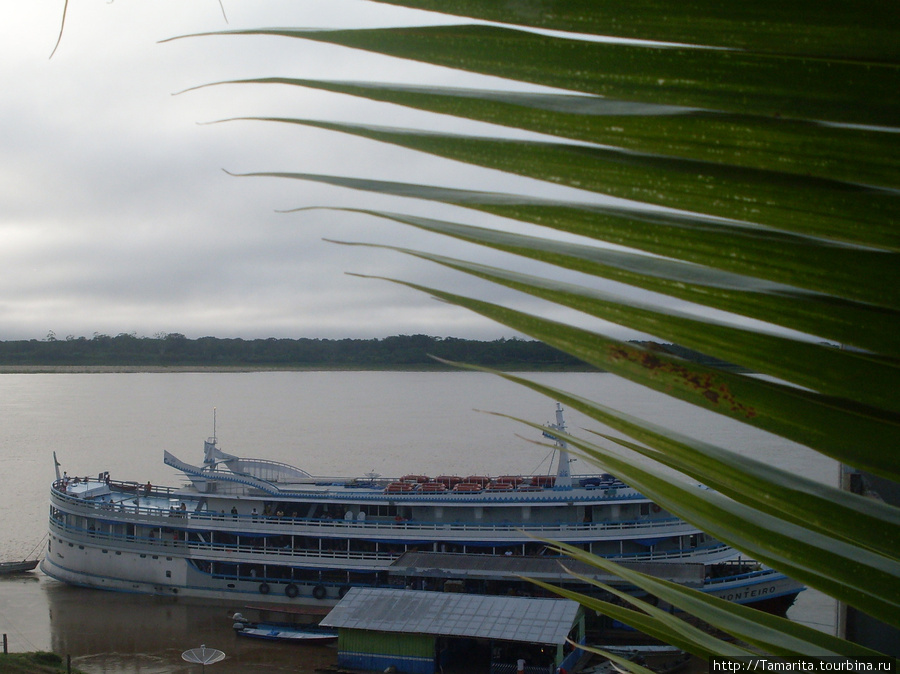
(282, 631)
(18, 567)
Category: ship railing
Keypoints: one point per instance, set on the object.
(229, 552)
(249, 553)
(545, 495)
(300, 525)
(256, 553)
(741, 576)
(115, 507)
(116, 486)
(322, 526)
(669, 555)
(97, 536)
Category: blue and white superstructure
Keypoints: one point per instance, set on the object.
(250, 530)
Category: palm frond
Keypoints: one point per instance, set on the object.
(757, 148)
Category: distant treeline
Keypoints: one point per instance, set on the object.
(174, 349)
(400, 352)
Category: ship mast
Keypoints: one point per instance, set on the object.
(563, 473)
(210, 451)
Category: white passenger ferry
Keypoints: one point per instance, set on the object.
(250, 530)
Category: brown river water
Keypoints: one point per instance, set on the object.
(328, 423)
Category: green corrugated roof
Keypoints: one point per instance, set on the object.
(526, 619)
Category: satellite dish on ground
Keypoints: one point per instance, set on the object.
(203, 656)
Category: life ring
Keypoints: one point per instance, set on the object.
(319, 592)
(655, 508)
(291, 590)
(264, 588)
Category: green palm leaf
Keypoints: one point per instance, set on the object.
(651, 621)
(719, 290)
(833, 372)
(757, 146)
(778, 636)
(734, 248)
(842, 211)
(842, 431)
(863, 325)
(853, 155)
(827, 28)
(730, 80)
(845, 571)
(859, 520)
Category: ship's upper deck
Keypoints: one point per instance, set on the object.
(342, 511)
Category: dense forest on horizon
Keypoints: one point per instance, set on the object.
(401, 351)
(174, 350)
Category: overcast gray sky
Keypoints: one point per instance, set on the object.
(116, 215)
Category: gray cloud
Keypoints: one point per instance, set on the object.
(115, 215)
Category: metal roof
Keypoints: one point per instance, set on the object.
(540, 621)
(551, 569)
